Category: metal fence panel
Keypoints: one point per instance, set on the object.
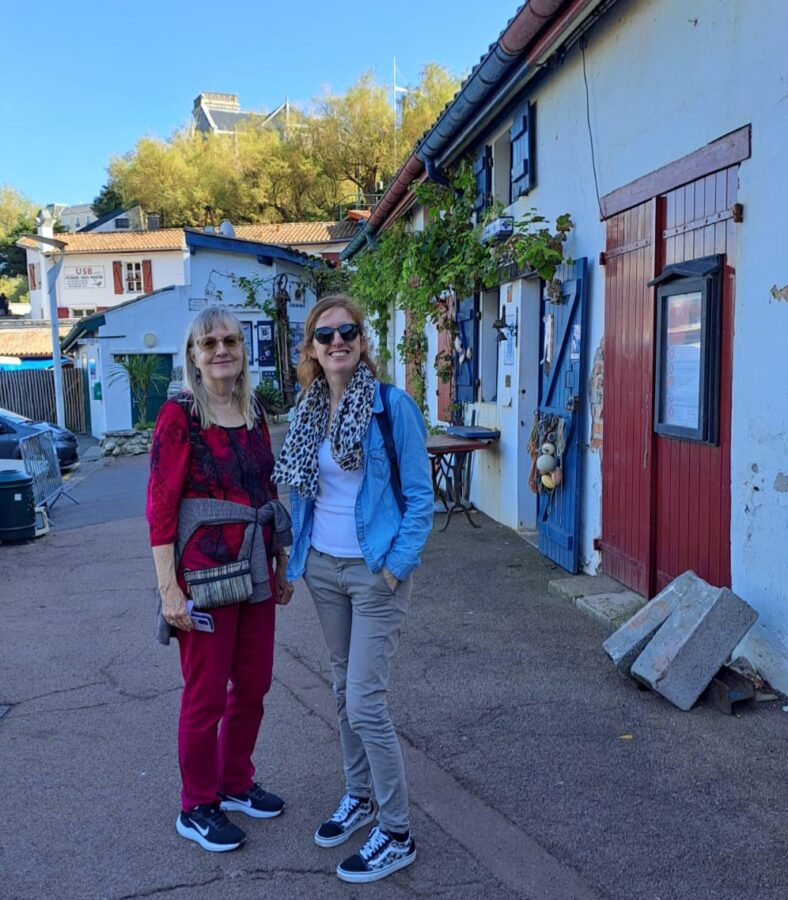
(40, 459)
(31, 393)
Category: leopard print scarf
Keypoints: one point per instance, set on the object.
(298, 465)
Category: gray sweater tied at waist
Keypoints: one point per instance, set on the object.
(194, 512)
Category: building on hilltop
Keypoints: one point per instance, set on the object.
(215, 113)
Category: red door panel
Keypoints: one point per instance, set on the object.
(665, 502)
(629, 343)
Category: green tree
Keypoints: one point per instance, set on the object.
(352, 135)
(108, 200)
(17, 214)
(345, 152)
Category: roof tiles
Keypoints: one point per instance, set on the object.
(28, 343)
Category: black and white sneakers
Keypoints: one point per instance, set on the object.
(351, 814)
(255, 802)
(208, 826)
(381, 855)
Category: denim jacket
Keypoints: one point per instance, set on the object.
(386, 537)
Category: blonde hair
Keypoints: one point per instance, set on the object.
(308, 368)
(204, 322)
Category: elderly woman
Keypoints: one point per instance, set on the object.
(362, 505)
(210, 508)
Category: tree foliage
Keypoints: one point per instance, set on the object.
(340, 155)
(17, 214)
(422, 104)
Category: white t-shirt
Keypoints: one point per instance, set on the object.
(334, 523)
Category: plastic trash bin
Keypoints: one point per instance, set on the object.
(17, 506)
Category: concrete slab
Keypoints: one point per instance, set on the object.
(611, 610)
(574, 586)
(629, 641)
(697, 638)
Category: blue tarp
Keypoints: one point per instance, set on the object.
(32, 364)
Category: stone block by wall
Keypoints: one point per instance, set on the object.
(695, 640)
(625, 645)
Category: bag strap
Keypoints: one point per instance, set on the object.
(384, 424)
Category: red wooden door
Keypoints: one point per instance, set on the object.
(665, 501)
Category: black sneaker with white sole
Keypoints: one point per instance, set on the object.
(351, 814)
(255, 802)
(380, 856)
(208, 826)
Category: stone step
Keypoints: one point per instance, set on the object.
(599, 596)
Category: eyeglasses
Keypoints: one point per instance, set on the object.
(348, 332)
(209, 343)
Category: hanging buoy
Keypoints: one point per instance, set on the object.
(548, 448)
(545, 463)
(557, 476)
(548, 482)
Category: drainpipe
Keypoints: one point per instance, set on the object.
(49, 276)
(434, 173)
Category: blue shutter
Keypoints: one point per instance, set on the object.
(482, 173)
(466, 357)
(522, 135)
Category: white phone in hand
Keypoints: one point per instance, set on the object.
(203, 621)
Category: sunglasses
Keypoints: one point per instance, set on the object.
(348, 332)
(209, 343)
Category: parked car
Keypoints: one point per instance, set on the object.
(14, 427)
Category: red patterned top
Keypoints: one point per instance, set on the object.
(217, 463)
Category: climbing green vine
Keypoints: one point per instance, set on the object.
(420, 272)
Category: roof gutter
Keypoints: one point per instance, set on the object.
(494, 68)
(578, 16)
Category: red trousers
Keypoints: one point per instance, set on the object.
(226, 675)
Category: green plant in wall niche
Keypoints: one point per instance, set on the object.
(141, 372)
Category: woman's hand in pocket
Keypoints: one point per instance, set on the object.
(391, 580)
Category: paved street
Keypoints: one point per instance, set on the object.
(536, 770)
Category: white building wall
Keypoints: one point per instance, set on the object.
(663, 82)
(93, 272)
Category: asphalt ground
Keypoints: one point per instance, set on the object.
(536, 771)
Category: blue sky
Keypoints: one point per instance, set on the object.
(84, 80)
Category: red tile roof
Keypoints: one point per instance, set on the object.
(118, 242)
(28, 343)
(284, 234)
(289, 233)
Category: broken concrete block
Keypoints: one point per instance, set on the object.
(625, 645)
(695, 640)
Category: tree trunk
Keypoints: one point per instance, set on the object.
(283, 347)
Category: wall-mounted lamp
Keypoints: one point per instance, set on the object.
(505, 329)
